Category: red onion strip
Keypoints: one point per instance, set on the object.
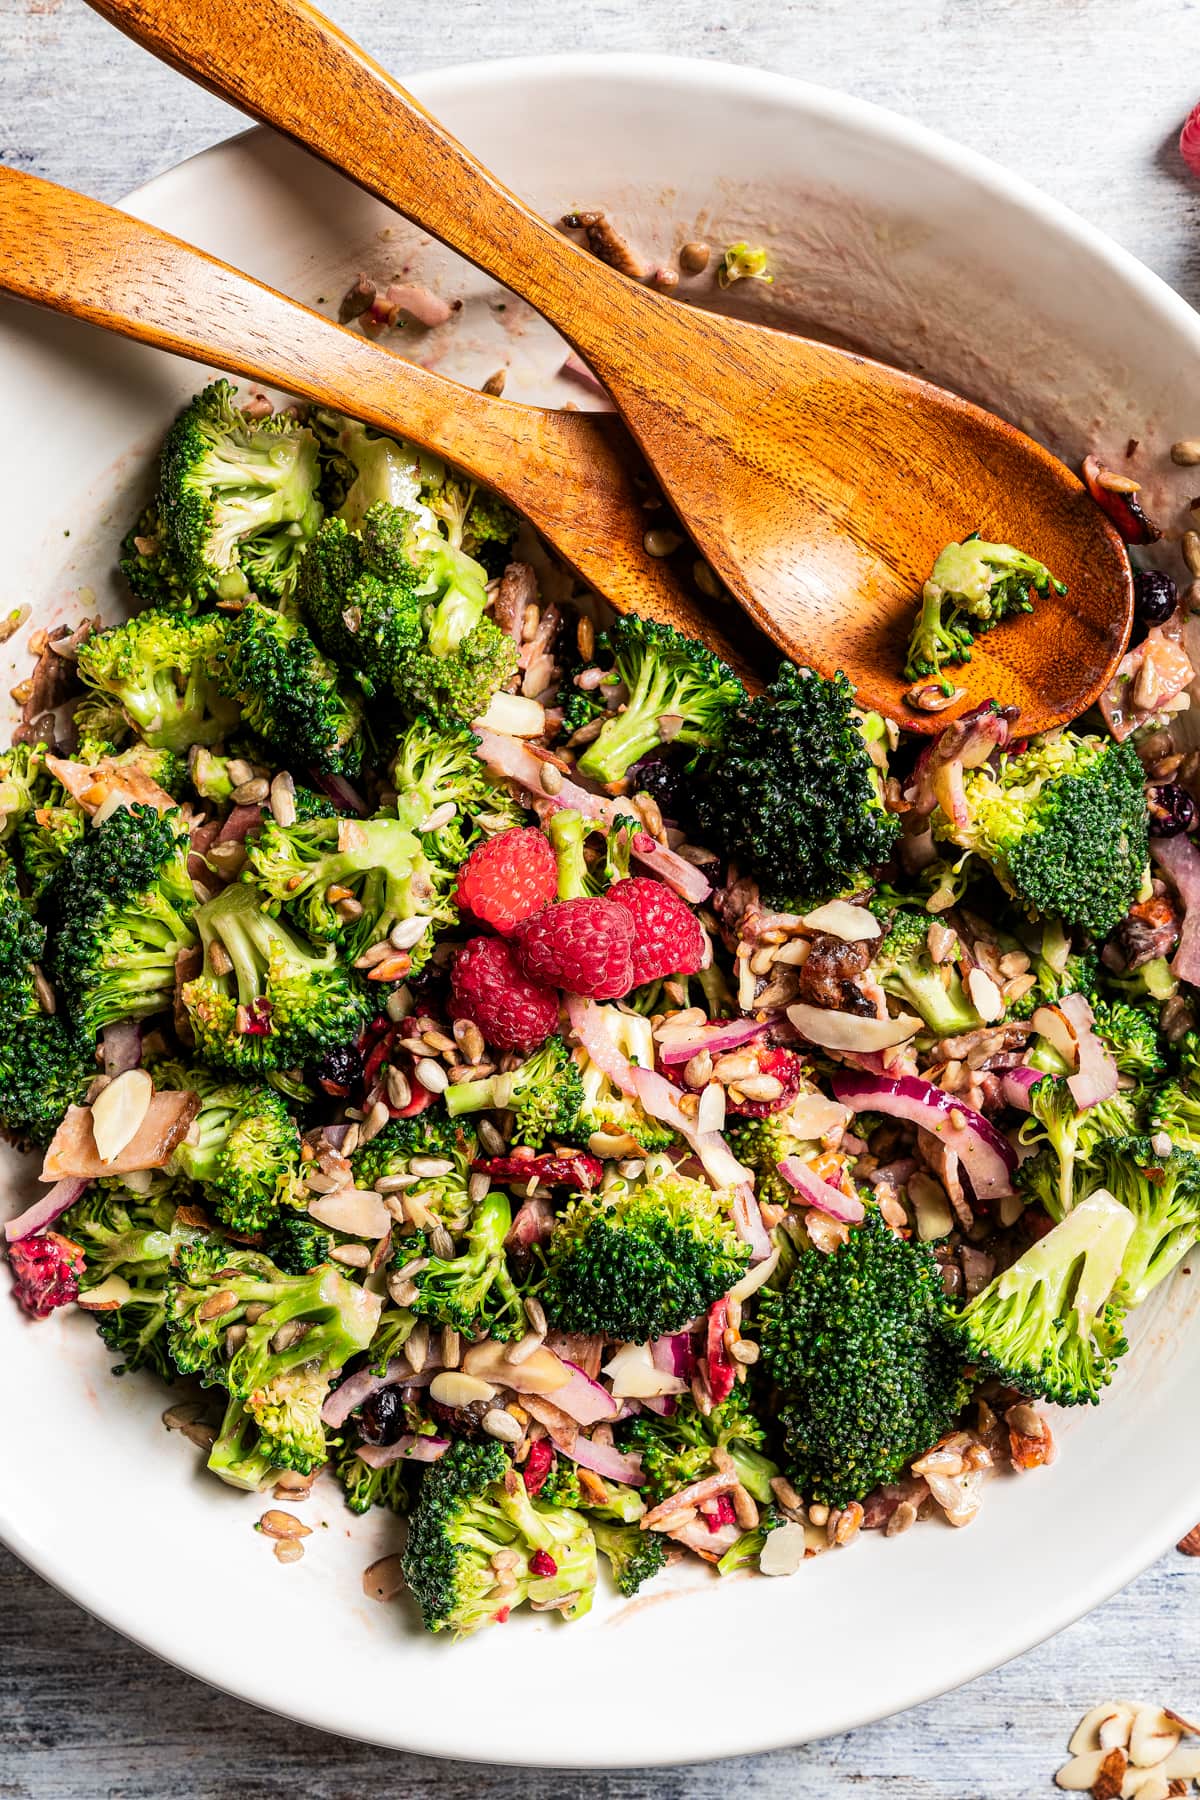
(1097, 1076)
(987, 1157)
(716, 1039)
(51, 1206)
(1179, 857)
(821, 1194)
(408, 1448)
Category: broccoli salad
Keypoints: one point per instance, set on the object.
(487, 1059)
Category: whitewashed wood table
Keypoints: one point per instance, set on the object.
(1084, 97)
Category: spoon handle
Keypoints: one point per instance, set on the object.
(284, 63)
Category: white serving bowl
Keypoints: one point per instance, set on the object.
(880, 234)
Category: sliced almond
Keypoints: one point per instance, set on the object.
(710, 1115)
(1145, 1784)
(1115, 1730)
(118, 1112)
(1185, 1725)
(986, 997)
(106, 1296)
(1086, 1735)
(1153, 1737)
(784, 1550)
(1082, 1772)
(453, 1388)
(1053, 1024)
(514, 715)
(847, 1031)
(853, 924)
(1183, 1765)
(815, 1116)
(1109, 1783)
(358, 1211)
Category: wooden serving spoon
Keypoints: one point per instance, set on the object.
(574, 475)
(819, 484)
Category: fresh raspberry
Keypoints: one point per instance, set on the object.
(585, 946)
(488, 987)
(45, 1270)
(667, 939)
(1189, 141)
(508, 878)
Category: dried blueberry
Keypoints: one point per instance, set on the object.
(382, 1420)
(338, 1073)
(1154, 596)
(1172, 810)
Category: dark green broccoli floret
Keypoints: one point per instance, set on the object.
(122, 907)
(472, 1291)
(634, 1556)
(436, 1139)
(149, 567)
(162, 669)
(904, 967)
(1067, 1139)
(1131, 1036)
(666, 675)
(561, 1486)
(641, 1259)
(1175, 1108)
(471, 1506)
(545, 1092)
(236, 501)
(361, 594)
(129, 1235)
(1062, 825)
(243, 1148)
(281, 1005)
(296, 1243)
(762, 1144)
(1163, 1194)
(364, 468)
(45, 1063)
(858, 1345)
(456, 684)
(365, 1487)
(282, 1376)
(679, 1449)
(136, 1331)
(379, 864)
(311, 805)
(972, 587)
(1049, 1325)
(290, 694)
(792, 795)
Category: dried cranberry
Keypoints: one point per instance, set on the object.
(570, 1168)
(1172, 810)
(339, 1071)
(382, 1420)
(1154, 596)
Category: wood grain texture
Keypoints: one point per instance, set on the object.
(1084, 97)
(819, 484)
(574, 474)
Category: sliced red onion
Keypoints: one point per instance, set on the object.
(588, 1024)
(821, 1194)
(121, 1045)
(719, 1366)
(987, 1157)
(582, 1398)
(362, 1384)
(673, 1355)
(409, 1448)
(968, 741)
(340, 791)
(509, 757)
(425, 308)
(605, 1460)
(238, 826)
(661, 1100)
(1018, 1084)
(1098, 1074)
(1180, 859)
(51, 1206)
(747, 1222)
(727, 1034)
(335, 1135)
(665, 1405)
(575, 369)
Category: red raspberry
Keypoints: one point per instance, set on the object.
(45, 1271)
(487, 987)
(667, 939)
(585, 946)
(508, 878)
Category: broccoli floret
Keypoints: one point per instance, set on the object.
(471, 1506)
(209, 775)
(376, 863)
(904, 967)
(634, 1556)
(362, 594)
(858, 1345)
(762, 1144)
(237, 499)
(1060, 970)
(666, 675)
(1175, 1108)
(604, 1107)
(569, 831)
(1151, 982)
(426, 1135)
(243, 1147)
(365, 1487)
(456, 684)
(437, 766)
(545, 1092)
(746, 1553)
(561, 1487)
(161, 668)
(123, 909)
(45, 1067)
(282, 1375)
(125, 1234)
(290, 694)
(1049, 1325)
(1062, 825)
(136, 1331)
(972, 587)
(1066, 1139)
(640, 1259)
(1131, 1036)
(25, 783)
(679, 1449)
(281, 1005)
(1163, 1194)
(149, 567)
(473, 1291)
(793, 795)
(296, 1243)
(99, 720)
(743, 262)
(238, 1456)
(311, 805)
(366, 468)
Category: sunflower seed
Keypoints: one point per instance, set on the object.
(276, 1524)
(250, 793)
(283, 799)
(432, 1076)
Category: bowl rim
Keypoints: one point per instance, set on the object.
(1144, 1546)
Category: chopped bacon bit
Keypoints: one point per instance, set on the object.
(720, 1366)
(1030, 1452)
